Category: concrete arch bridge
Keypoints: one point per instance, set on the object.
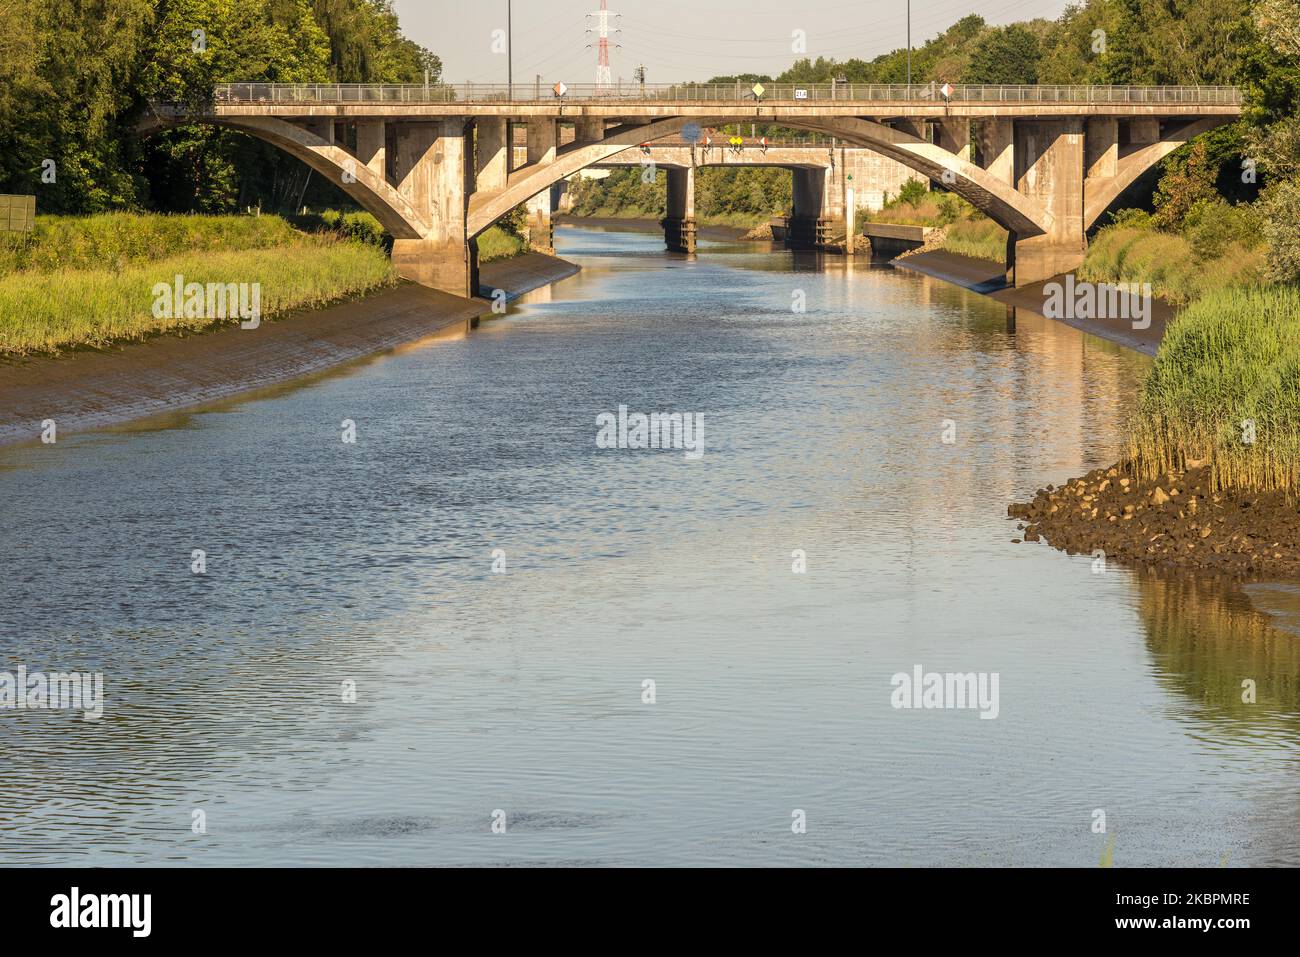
(436, 165)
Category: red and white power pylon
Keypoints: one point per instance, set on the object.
(603, 76)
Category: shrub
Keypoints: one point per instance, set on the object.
(1281, 208)
(1213, 225)
(912, 193)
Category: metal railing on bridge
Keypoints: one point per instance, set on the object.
(344, 93)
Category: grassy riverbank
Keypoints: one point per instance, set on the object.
(88, 281)
(965, 230)
(1225, 391)
(1218, 247)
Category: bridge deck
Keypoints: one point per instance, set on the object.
(727, 99)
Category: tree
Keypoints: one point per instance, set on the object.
(1004, 55)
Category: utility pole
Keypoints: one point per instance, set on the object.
(909, 49)
(510, 52)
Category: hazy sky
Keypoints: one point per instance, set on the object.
(682, 39)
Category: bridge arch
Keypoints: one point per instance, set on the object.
(368, 188)
(1000, 201)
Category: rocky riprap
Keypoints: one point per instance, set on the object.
(1176, 520)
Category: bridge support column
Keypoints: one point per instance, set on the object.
(1144, 130)
(1049, 168)
(996, 140)
(806, 226)
(679, 221)
(542, 141)
(431, 164)
(322, 128)
(953, 134)
(370, 146)
(916, 128)
(1101, 146)
(491, 153)
(588, 129)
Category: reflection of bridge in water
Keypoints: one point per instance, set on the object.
(435, 164)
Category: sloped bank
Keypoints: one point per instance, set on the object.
(121, 383)
(989, 279)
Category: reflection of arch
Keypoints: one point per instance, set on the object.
(1100, 196)
(998, 200)
(371, 191)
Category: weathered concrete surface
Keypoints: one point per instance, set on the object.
(1035, 177)
(522, 274)
(1049, 169)
(891, 239)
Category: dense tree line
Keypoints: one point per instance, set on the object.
(75, 76)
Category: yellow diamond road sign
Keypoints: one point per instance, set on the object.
(758, 89)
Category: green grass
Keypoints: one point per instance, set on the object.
(496, 243)
(1169, 262)
(967, 231)
(1233, 355)
(981, 238)
(114, 240)
(88, 281)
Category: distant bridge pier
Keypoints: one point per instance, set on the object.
(805, 227)
(679, 218)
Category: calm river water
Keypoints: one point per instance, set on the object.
(522, 691)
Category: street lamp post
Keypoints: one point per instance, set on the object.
(510, 53)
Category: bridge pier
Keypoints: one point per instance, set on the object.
(953, 135)
(491, 153)
(995, 138)
(1049, 169)
(372, 147)
(430, 163)
(542, 144)
(807, 226)
(679, 218)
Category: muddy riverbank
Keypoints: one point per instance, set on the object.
(93, 389)
(1174, 521)
(989, 279)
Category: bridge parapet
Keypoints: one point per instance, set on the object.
(864, 94)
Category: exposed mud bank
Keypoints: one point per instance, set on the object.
(93, 389)
(989, 279)
(1175, 521)
(87, 390)
(521, 274)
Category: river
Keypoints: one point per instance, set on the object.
(877, 435)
